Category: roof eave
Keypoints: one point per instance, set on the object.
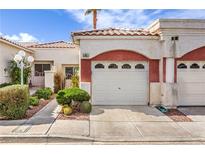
(17, 46)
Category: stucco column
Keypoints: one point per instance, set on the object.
(49, 79)
(169, 87)
(170, 70)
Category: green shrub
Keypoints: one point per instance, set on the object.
(76, 94)
(14, 101)
(15, 72)
(75, 81)
(85, 107)
(5, 84)
(34, 101)
(62, 98)
(44, 93)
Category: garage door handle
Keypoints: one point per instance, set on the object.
(119, 88)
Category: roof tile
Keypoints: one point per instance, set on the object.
(115, 32)
(57, 44)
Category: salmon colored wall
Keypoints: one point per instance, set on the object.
(195, 55)
(85, 68)
(154, 70)
(120, 55)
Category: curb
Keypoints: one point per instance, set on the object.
(67, 138)
(43, 139)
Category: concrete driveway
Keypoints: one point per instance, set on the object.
(133, 123)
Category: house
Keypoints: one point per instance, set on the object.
(61, 56)
(162, 64)
(8, 49)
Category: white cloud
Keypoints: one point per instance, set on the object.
(21, 37)
(131, 18)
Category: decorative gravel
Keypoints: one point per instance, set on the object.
(177, 116)
(73, 116)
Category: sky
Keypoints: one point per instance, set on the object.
(54, 25)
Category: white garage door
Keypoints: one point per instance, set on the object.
(119, 83)
(191, 83)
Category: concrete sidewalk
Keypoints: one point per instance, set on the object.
(117, 124)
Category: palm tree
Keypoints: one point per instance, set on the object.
(94, 12)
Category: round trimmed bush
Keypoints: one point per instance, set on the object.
(66, 96)
(86, 107)
(34, 101)
(44, 93)
(67, 110)
(62, 98)
(14, 101)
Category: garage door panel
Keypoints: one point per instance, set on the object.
(191, 76)
(119, 87)
(189, 88)
(189, 99)
(191, 85)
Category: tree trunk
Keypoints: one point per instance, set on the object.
(94, 19)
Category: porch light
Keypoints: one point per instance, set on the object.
(20, 58)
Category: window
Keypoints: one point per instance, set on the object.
(203, 66)
(126, 66)
(69, 71)
(113, 66)
(139, 66)
(182, 66)
(194, 66)
(40, 68)
(99, 66)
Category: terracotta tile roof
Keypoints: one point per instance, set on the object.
(15, 44)
(115, 32)
(57, 44)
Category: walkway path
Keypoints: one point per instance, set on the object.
(107, 124)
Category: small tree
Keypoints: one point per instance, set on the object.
(15, 72)
(75, 81)
(57, 82)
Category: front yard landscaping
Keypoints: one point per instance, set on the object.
(15, 102)
(75, 104)
(33, 109)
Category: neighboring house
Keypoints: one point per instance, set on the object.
(61, 56)
(164, 64)
(8, 49)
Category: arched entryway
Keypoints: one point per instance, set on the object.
(120, 77)
(190, 78)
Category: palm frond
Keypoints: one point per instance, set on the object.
(88, 11)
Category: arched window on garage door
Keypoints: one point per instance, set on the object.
(139, 66)
(182, 66)
(194, 66)
(99, 66)
(113, 66)
(203, 66)
(126, 66)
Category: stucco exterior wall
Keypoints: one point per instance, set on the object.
(58, 57)
(191, 34)
(7, 53)
(148, 47)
